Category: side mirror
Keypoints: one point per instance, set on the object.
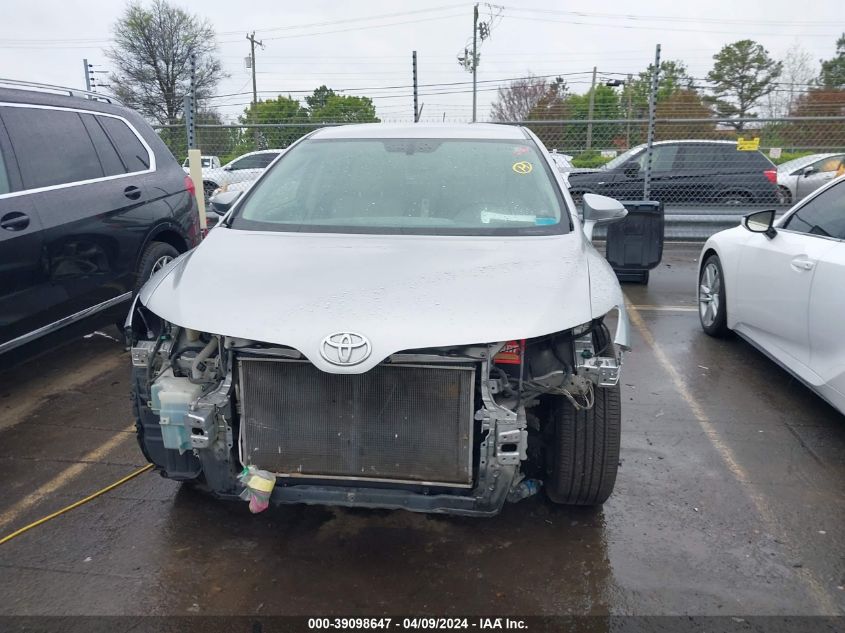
(761, 222)
(227, 168)
(601, 210)
(808, 171)
(222, 202)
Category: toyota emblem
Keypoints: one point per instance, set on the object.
(345, 348)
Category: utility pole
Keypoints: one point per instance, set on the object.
(87, 75)
(252, 43)
(592, 103)
(652, 98)
(416, 109)
(474, 59)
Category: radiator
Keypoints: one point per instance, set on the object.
(404, 423)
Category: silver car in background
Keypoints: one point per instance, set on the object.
(405, 317)
(800, 177)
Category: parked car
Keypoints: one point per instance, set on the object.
(213, 212)
(685, 172)
(779, 285)
(91, 204)
(799, 177)
(206, 162)
(414, 317)
(247, 167)
(562, 161)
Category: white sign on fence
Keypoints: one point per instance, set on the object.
(774, 152)
(608, 153)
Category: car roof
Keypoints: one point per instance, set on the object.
(801, 161)
(35, 97)
(423, 130)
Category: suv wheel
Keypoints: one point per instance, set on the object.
(156, 256)
(734, 199)
(712, 308)
(582, 453)
(784, 195)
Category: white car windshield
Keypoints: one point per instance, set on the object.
(422, 186)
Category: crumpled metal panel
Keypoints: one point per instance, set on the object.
(394, 422)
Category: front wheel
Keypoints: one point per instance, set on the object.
(582, 454)
(712, 303)
(156, 256)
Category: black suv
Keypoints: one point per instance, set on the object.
(684, 172)
(91, 204)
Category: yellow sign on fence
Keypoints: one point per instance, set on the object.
(747, 144)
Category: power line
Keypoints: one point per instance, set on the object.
(669, 18)
(663, 29)
(404, 86)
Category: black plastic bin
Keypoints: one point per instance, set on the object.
(635, 245)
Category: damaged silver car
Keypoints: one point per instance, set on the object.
(392, 317)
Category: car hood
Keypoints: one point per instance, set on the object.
(401, 292)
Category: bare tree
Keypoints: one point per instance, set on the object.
(152, 59)
(515, 101)
(799, 70)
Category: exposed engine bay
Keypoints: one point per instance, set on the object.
(453, 429)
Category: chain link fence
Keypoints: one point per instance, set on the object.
(701, 167)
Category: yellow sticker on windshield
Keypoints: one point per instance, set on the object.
(522, 167)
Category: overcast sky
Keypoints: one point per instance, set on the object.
(367, 44)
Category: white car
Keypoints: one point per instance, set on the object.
(781, 286)
(800, 177)
(206, 162)
(399, 316)
(247, 167)
(212, 212)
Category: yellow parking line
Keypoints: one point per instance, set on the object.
(764, 511)
(66, 476)
(76, 504)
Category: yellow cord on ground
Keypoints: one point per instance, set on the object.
(76, 504)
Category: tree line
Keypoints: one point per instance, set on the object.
(155, 43)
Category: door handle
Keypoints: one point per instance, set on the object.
(14, 221)
(132, 192)
(802, 263)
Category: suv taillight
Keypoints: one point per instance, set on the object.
(189, 186)
(771, 174)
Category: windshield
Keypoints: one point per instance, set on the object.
(623, 157)
(417, 186)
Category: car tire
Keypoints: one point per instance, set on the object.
(784, 195)
(582, 455)
(734, 199)
(156, 255)
(712, 298)
(208, 188)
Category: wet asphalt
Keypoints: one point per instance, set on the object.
(729, 501)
